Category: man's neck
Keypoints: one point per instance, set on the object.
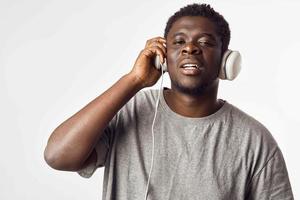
(193, 106)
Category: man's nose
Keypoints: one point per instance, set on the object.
(190, 48)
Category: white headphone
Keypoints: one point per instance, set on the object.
(229, 69)
(231, 65)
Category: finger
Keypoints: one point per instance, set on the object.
(151, 51)
(160, 45)
(160, 39)
(158, 52)
(148, 53)
(156, 39)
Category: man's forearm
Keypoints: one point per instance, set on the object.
(71, 142)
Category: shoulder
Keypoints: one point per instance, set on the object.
(143, 98)
(251, 126)
(256, 141)
(142, 102)
(147, 95)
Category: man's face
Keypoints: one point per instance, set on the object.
(193, 39)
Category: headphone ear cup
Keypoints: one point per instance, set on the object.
(231, 65)
(164, 66)
(158, 65)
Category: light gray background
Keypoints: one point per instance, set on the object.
(56, 56)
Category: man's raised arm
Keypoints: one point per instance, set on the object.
(72, 142)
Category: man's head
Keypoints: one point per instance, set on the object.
(203, 10)
(196, 34)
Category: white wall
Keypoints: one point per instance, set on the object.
(56, 56)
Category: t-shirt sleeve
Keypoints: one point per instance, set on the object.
(102, 150)
(272, 181)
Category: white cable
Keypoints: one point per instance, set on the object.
(156, 108)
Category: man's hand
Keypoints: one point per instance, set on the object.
(144, 70)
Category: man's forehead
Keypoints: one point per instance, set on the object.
(193, 23)
(193, 26)
(184, 32)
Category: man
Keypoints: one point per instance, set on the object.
(205, 148)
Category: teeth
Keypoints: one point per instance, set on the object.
(190, 66)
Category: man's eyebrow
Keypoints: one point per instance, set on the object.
(201, 35)
(178, 33)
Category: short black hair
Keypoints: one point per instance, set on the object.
(203, 10)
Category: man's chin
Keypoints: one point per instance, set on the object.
(194, 90)
(190, 90)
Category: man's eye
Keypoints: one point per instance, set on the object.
(178, 42)
(205, 43)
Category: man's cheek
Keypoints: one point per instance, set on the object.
(172, 57)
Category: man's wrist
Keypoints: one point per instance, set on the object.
(134, 81)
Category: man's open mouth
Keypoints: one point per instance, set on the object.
(191, 69)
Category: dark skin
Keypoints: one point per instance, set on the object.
(71, 145)
(193, 39)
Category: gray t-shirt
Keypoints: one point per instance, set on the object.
(226, 155)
